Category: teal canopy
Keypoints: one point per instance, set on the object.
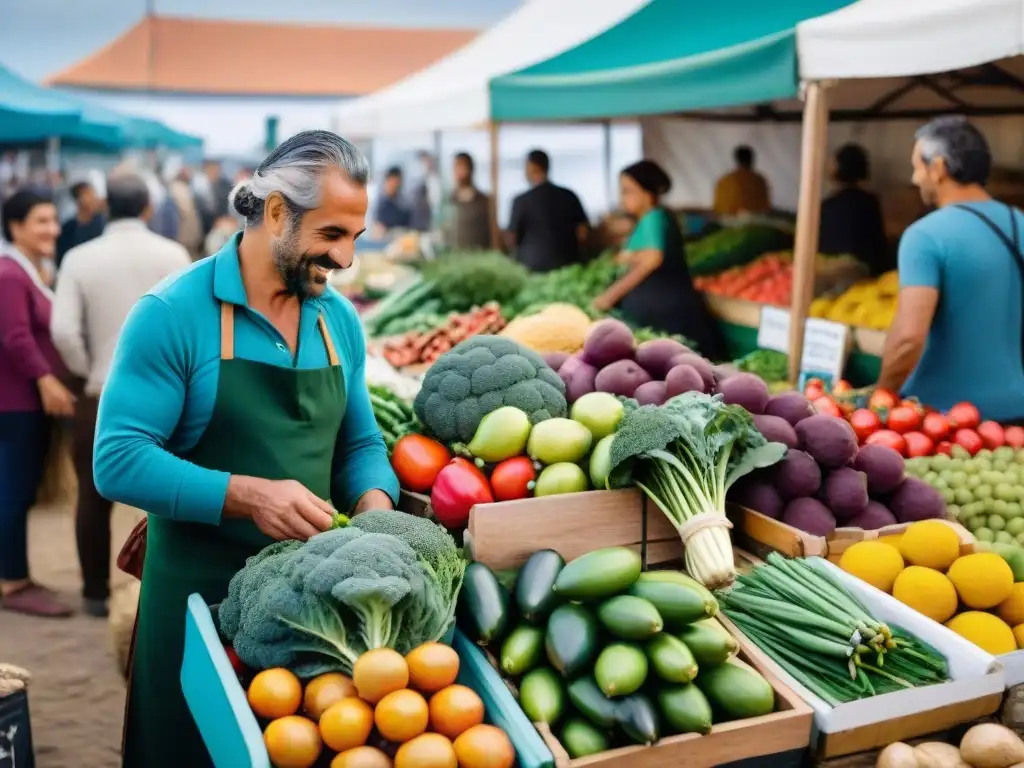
(670, 56)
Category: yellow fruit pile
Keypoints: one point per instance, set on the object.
(974, 595)
(867, 304)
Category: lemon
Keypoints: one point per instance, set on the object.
(1011, 610)
(931, 543)
(983, 580)
(988, 632)
(875, 562)
(926, 591)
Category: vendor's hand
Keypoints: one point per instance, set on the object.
(602, 304)
(282, 509)
(57, 399)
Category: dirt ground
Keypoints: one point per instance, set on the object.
(76, 696)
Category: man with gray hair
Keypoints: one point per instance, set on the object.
(236, 414)
(100, 281)
(958, 334)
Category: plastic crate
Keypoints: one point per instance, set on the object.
(233, 736)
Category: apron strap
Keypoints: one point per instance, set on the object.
(227, 334)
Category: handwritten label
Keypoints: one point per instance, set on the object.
(825, 345)
(773, 330)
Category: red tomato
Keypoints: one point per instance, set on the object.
(936, 426)
(918, 444)
(814, 389)
(889, 439)
(969, 440)
(963, 416)
(513, 479)
(991, 435)
(827, 405)
(882, 399)
(841, 387)
(1014, 437)
(417, 460)
(459, 486)
(865, 423)
(236, 663)
(903, 419)
(945, 448)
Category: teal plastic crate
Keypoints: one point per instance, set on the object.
(233, 736)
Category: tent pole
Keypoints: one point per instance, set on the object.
(609, 185)
(495, 168)
(805, 247)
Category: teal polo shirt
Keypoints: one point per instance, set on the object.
(160, 392)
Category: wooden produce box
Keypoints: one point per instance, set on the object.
(975, 690)
(785, 730)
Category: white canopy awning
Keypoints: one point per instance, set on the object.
(453, 92)
(900, 38)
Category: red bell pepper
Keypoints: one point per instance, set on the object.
(457, 488)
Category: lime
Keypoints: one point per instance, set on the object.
(985, 534)
(983, 492)
(996, 523)
(1015, 526)
(1004, 538)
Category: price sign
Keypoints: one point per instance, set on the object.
(773, 331)
(825, 345)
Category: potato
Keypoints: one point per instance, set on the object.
(938, 754)
(898, 755)
(991, 746)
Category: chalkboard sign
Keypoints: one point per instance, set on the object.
(15, 732)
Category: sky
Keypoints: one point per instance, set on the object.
(41, 37)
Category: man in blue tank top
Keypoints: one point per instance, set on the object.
(957, 335)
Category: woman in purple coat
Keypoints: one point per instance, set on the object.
(31, 390)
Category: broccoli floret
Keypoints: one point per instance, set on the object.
(480, 375)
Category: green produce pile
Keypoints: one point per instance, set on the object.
(734, 247)
(766, 363)
(395, 417)
(824, 637)
(985, 492)
(608, 655)
(650, 334)
(577, 284)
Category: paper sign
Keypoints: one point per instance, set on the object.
(824, 347)
(773, 331)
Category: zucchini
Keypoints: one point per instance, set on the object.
(630, 618)
(535, 596)
(599, 574)
(522, 650)
(737, 691)
(638, 718)
(710, 644)
(591, 703)
(671, 660)
(620, 669)
(571, 639)
(677, 601)
(483, 607)
(684, 709)
(581, 739)
(541, 696)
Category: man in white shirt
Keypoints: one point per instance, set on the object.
(100, 281)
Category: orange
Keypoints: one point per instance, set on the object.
(379, 672)
(429, 750)
(325, 690)
(455, 709)
(361, 757)
(292, 742)
(347, 724)
(401, 715)
(484, 746)
(275, 693)
(432, 666)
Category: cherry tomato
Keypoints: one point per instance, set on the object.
(865, 423)
(889, 439)
(417, 460)
(841, 387)
(963, 416)
(814, 389)
(827, 405)
(903, 419)
(991, 435)
(882, 399)
(513, 479)
(919, 444)
(969, 440)
(936, 426)
(1014, 437)
(236, 663)
(945, 448)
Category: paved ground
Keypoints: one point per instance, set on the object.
(77, 693)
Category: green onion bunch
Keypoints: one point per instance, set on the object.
(813, 628)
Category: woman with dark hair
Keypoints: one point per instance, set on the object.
(657, 291)
(30, 390)
(851, 218)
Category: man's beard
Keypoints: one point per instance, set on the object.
(295, 268)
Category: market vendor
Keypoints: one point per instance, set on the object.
(236, 412)
(656, 291)
(958, 334)
(851, 217)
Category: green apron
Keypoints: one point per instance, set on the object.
(270, 422)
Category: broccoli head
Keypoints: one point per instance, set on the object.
(481, 375)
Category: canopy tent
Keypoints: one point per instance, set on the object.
(669, 56)
(453, 92)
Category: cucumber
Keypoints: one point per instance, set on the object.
(535, 596)
(709, 643)
(678, 603)
(483, 607)
(581, 739)
(571, 639)
(598, 574)
(522, 650)
(684, 709)
(737, 691)
(592, 704)
(541, 696)
(638, 718)
(671, 659)
(620, 670)
(630, 618)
